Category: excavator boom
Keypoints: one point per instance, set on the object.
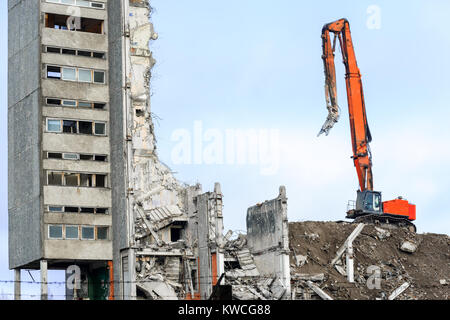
(368, 205)
(359, 128)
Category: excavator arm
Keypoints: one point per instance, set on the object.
(359, 128)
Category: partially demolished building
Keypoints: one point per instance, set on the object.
(80, 127)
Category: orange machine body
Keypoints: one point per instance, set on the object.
(400, 207)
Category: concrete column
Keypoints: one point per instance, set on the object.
(44, 280)
(17, 284)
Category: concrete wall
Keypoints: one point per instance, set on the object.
(117, 138)
(267, 238)
(24, 133)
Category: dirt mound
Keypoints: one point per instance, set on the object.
(420, 260)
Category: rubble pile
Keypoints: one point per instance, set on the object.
(389, 263)
(242, 273)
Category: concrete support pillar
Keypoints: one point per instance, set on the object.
(44, 280)
(17, 284)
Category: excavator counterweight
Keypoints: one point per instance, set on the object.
(368, 206)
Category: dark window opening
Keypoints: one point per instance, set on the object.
(55, 179)
(87, 210)
(53, 50)
(99, 77)
(140, 113)
(71, 179)
(86, 157)
(100, 128)
(56, 21)
(52, 155)
(100, 181)
(102, 233)
(102, 210)
(69, 51)
(99, 105)
(100, 55)
(69, 126)
(84, 53)
(175, 234)
(53, 72)
(86, 180)
(56, 102)
(85, 127)
(100, 158)
(71, 209)
(63, 22)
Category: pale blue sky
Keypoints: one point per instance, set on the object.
(257, 64)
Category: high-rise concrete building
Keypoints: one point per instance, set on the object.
(59, 139)
(87, 191)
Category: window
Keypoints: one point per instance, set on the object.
(85, 127)
(84, 104)
(87, 157)
(56, 102)
(100, 181)
(71, 209)
(100, 158)
(53, 125)
(175, 234)
(99, 55)
(69, 103)
(97, 5)
(55, 178)
(84, 75)
(101, 211)
(83, 3)
(72, 232)
(53, 50)
(100, 128)
(69, 74)
(55, 232)
(80, 3)
(75, 103)
(84, 53)
(99, 105)
(69, 51)
(52, 155)
(87, 233)
(71, 179)
(53, 72)
(87, 210)
(70, 156)
(70, 126)
(99, 77)
(102, 233)
(86, 180)
(55, 209)
(58, 21)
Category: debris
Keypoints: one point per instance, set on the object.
(398, 291)
(350, 239)
(300, 260)
(408, 246)
(309, 277)
(319, 291)
(443, 282)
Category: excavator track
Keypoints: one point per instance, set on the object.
(384, 220)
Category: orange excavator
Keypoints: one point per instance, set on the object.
(368, 207)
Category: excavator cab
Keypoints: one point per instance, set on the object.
(367, 202)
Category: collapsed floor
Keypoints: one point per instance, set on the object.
(419, 262)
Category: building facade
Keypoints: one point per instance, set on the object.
(87, 192)
(59, 139)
